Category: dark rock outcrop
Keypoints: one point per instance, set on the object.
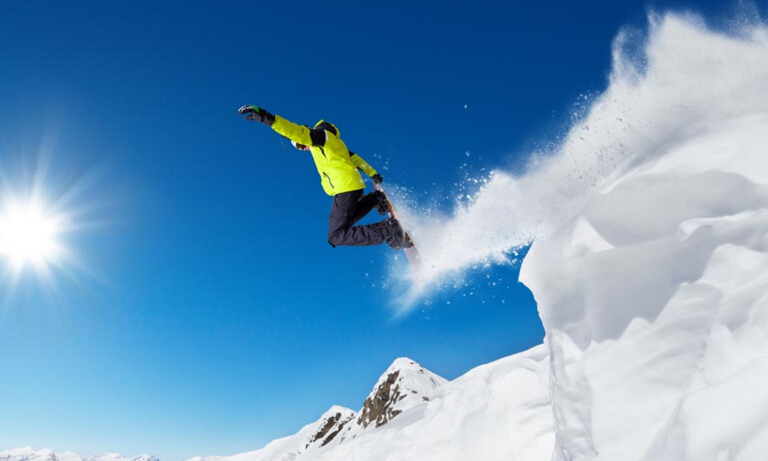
(378, 409)
(329, 429)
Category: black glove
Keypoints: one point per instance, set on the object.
(377, 179)
(257, 114)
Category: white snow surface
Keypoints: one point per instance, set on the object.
(499, 411)
(654, 294)
(655, 305)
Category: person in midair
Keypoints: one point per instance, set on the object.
(339, 170)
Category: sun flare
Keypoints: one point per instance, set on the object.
(28, 234)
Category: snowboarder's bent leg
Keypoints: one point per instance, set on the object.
(366, 204)
(341, 228)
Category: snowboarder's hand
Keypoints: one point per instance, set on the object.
(257, 114)
(377, 179)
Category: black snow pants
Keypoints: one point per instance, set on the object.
(348, 208)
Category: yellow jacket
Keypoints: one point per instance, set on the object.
(337, 166)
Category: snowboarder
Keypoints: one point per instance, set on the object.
(338, 168)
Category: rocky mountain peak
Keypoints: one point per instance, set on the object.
(404, 385)
(330, 425)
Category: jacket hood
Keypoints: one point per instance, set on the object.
(328, 126)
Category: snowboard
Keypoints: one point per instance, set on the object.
(411, 252)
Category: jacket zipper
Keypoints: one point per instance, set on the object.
(329, 179)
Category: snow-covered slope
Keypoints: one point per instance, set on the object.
(655, 305)
(499, 411)
(309, 439)
(654, 294)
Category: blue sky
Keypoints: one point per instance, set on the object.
(208, 314)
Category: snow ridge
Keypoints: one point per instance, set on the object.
(420, 415)
(653, 296)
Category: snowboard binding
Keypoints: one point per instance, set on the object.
(394, 234)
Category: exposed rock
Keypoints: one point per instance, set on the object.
(378, 408)
(330, 428)
(404, 385)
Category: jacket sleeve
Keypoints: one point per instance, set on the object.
(361, 164)
(299, 133)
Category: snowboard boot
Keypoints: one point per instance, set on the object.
(392, 233)
(381, 202)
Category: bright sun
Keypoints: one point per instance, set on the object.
(28, 234)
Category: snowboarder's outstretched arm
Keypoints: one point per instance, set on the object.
(298, 133)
